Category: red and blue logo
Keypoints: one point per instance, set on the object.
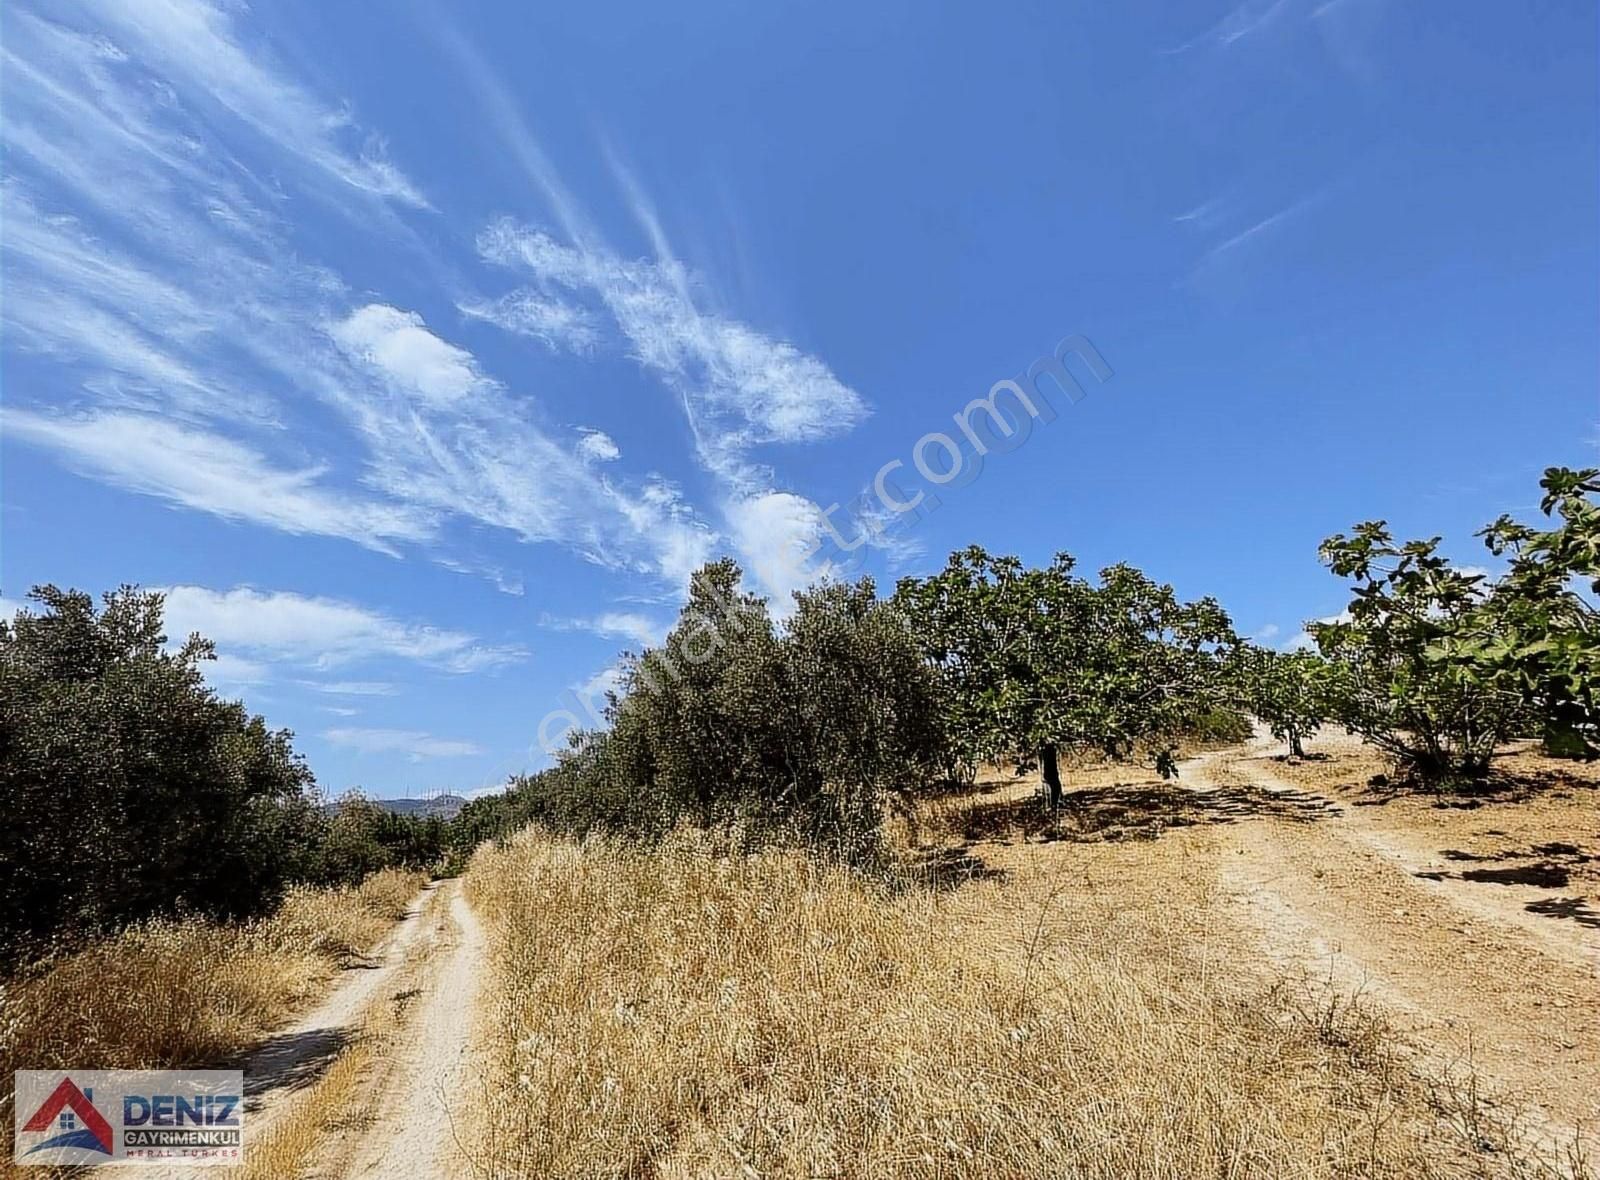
(73, 1111)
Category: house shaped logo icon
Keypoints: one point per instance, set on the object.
(73, 1111)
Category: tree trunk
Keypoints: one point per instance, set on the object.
(1052, 774)
(1296, 750)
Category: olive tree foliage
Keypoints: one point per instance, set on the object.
(794, 728)
(1405, 659)
(360, 837)
(1034, 662)
(1546, 648)
(1288, 691)
(128, 787)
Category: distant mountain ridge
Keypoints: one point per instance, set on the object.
(444, 806)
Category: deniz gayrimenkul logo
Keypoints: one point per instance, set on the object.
(69, 1106)
(169, 1117)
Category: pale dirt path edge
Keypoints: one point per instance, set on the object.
(414, 1131)
(1330, 897)
(289, 1061)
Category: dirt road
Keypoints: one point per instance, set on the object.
(367, 1084)
(430, 1092)
(1482, 983)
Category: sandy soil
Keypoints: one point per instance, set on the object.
(1472, 923)
(1479, 980)
(431, 1090)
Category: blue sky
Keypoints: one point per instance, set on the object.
(420, 351)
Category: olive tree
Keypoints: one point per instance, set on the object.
(129, 788)
(793, 728)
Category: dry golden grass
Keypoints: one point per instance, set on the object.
(683, 1013)
(185, 993)
(193, 993)
(293, 1142)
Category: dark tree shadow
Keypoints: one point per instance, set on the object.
(1141, 812)
(1545, 866)
(291, 1061)
(1544, 875)
(1574, 909)
(1498, 786)
(945, 869)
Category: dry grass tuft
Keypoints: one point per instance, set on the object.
(681, 1013)
(175, 993)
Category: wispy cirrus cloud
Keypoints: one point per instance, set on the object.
(740, 387)
(440, 433)
(415, 744)
(1241, 248)
(557, 322)
(153, 147)
(280, 627)
(197, 469)
(194, 332)
(640, 629)
(1239, 23)
(356, 688)
(198, 50)
(1264, 225)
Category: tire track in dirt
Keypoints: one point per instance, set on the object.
(412, 1131)
(1473, 989)
(279, 1069)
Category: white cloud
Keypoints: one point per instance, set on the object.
(413, 743)
(79, 300)
(441, 435)
(1270, 631)
(398, 346)
(1304, 640)
(177, 310)
(595, 688)
(556, 322)
(740, 386)
(210, 473)
(180, 347)
(194, 45)
(356, 688)
(640, 629)
(629, 625)
(597, 445)
(171, 347)
(778, 533)
(321, 632)
(231, 670)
